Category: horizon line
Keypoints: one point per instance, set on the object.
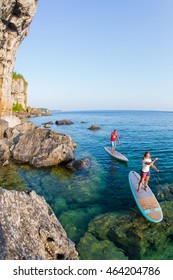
(111, 110)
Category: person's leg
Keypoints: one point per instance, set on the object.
(146, 183)
(113, 147)
(141, 183)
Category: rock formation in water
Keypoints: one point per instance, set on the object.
(94, 127)
(64, 122)
(138, 238)
(15, 19)
(29, 230)
(38, 146)
(80, 164)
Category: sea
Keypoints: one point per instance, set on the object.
(77, 197)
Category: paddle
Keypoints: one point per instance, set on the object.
(121, 147)
(158, 180)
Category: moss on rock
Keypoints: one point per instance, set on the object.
(137, 237)
(60, 205)
(90, 248)
(76, 221)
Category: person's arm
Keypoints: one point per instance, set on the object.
(152, 162)
(155, 168)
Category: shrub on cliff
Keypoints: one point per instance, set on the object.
(17, 108)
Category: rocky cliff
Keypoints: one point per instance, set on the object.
(19, 93)
(15, 19)
(29, 230)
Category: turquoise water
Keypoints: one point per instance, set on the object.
(78, 197)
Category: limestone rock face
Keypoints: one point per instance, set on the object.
(12, 120)
(4, 151)
(15, 19)
(38, 146)
(3, 127)
(19, 92)
(29, 230)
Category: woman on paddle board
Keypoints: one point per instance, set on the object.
(145, 172)
(114, 138)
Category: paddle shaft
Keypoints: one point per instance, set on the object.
(121, 147)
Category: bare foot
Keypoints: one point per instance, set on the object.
(146, 189)
(139, 190)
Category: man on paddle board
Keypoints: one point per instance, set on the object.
(145, 172)
(114, 138)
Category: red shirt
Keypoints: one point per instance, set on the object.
(114, 136)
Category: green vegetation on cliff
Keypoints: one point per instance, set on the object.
(17, 108)
(19, 76)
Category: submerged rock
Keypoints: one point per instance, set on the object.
(38, 146)
(91, 248)
(100, 225)
(64, 122)
(138, 238)
(10, 178)
(166, 192)
(76, 221)
(82, 188)
(81, 164)
(60, 205)
(94, 127)
(29, 229)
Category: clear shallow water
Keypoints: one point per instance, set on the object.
(139, 132)
(77, 197)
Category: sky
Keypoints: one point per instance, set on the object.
(99, 55)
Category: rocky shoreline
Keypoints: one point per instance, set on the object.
(109, 235)
(29, 229)
(31, 113)
(35, 145)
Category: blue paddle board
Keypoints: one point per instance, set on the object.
(146, 201)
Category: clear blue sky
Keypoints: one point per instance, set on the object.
(100, 54)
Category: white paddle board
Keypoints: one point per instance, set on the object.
(116, 155)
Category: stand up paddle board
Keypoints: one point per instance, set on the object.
(116, 155)
(146, 201)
